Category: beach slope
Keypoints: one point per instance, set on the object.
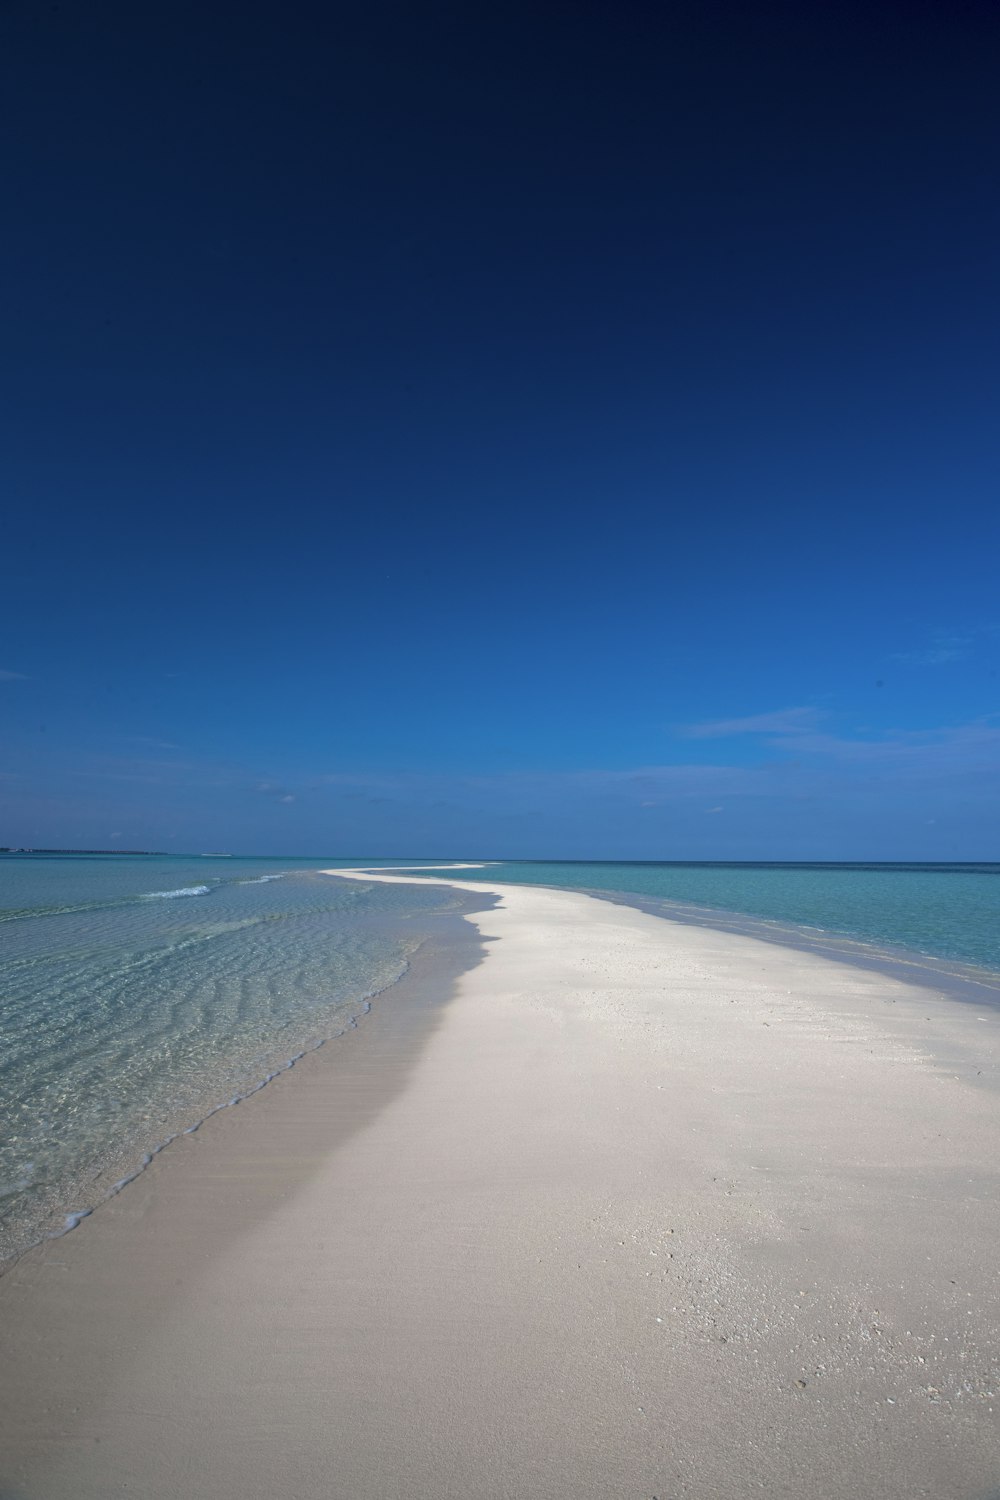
(649, 1210)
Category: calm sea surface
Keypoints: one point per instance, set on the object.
(943, 912)
(138, 993)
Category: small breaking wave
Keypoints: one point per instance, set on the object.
(186, 890)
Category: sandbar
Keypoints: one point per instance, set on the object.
(628, 1207)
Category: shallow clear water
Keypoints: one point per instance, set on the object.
(137, 993)
(945, 911)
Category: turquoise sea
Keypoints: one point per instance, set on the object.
(942, 911)
(139, 993)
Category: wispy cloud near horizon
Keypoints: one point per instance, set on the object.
(799, 732)
(779, 721)
(947, 645)
(807, 787)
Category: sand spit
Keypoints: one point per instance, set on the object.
(645, 1210)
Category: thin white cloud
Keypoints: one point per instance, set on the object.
(275, 791)
(808, 756)
(151, 743)
(6, 676)
(141, 769)
(933, 656)
(956, 745)
(780, 721)
(945, 645)
(799, 732)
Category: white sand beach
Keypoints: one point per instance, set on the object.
(644, 1210)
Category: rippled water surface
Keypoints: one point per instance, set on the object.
(138, 993)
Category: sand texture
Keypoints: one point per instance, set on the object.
(644, 1210)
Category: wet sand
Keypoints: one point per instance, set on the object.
(630, 1208)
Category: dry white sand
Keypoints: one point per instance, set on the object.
(645, 1210)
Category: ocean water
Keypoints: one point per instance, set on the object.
(139, 993)
(949, 914)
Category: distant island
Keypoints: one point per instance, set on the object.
(5, 850)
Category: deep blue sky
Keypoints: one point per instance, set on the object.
(565, 430)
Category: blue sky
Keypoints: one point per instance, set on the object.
(540, 434)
